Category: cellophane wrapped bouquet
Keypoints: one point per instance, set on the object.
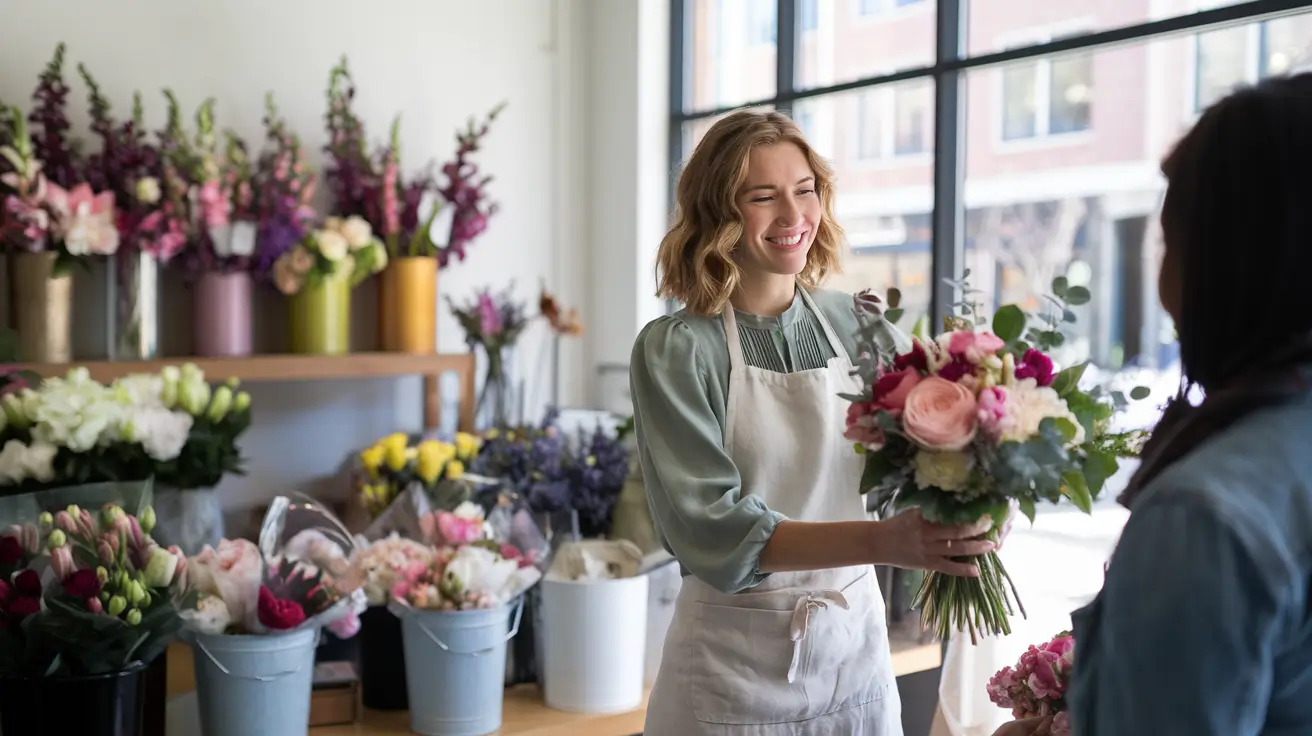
(469, 569)
(277, 585)
(968, 423)
(1037, 685)
(394, 464)
(111, 597)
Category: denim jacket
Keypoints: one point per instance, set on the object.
(1203, 625)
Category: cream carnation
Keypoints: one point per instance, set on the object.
(1028, 404)
(947, 471)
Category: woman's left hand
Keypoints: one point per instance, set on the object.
(1026, 727)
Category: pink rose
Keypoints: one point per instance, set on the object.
(940, 415)
(1046, 682)
(993, 410)
(892, 388)
(974, 346)
(1061, 724)
(234, 573)
(456, 530)
(1036, 365)
(862, 428)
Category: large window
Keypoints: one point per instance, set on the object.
(1055, 118)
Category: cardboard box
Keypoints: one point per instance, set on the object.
(336, 697)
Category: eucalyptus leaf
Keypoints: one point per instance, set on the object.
(1139, 393)
(893, 314)
(1076, 488)
(1027, 508)
(1077, 295)
(1068, 380)
(1009, 322)
(1059, 286)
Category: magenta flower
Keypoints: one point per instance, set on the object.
(489, 316)
(974, 346)
(1036, 365)
(993, 410)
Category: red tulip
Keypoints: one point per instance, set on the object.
(23, 606)
(28, 583)
(82, 584)
(11, 550)
(277, 613)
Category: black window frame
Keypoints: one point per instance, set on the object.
(952, 60)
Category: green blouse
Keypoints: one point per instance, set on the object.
(679, 377)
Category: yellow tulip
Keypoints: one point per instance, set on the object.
(372, 458)
(396, 459)
(455, 470)
(467, 445)
(430, 461)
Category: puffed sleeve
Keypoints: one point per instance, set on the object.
(693, 487)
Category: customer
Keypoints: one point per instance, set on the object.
(779, 627)
(1204, 624)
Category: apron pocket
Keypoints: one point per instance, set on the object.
(738, 659)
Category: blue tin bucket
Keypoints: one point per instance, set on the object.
(455, 667)
(254, 685)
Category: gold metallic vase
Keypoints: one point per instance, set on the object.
(407, 311)
(42, 308)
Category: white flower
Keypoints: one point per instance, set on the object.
(357, 232)
(140, 389)
(39, 461)
(147, 190)
(947, 471)
(1028, 404)
(211, 615)
(385, 560)
(13, 463)
(333, 224)
(478, 570)
(161, 432)
(468, 510)
(332, 245)
(160, 568)
(75, 412)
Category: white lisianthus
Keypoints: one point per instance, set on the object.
(140, 389)
(468, 510)
(211, 615)
(76, 412)
(947, 471)
(160, 568)
(193, 392)
(13, 463)
(478, 570)
(1028, 404)
(161, 432)
(357, 232)
(39, 461)
(332, 245)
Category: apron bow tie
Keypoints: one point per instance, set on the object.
(802, 620)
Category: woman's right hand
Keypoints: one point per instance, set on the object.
(1026, 727)
(907, 540)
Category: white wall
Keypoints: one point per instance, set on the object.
(581, 143)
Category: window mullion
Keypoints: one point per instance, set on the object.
(948, 246)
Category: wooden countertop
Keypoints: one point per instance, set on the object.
(526, 715)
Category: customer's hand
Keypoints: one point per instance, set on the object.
(908, 541)
(1026, 727)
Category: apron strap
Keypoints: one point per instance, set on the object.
(733, 340)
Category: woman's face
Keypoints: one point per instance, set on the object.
(780, 208)
(1169, 279)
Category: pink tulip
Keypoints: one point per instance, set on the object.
(94, 605)
(61, 561)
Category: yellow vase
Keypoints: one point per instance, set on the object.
(407, 311)
(319, 317)
(42, 308)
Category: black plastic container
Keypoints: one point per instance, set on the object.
(382, 661)
(97, 705)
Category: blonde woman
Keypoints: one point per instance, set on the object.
(779, 626)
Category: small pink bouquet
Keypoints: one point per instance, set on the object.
(469, 577)
(1037, 685)
(966, 424)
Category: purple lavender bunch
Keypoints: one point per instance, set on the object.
(466, 190)
(59, 154)
(597, 471)
(533, 460)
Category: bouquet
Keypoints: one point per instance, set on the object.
(466, 575)
(494, 322)
(112, 599)
(533, 461)
(243, 592)
(384, 562)
(371, 186)
(341, 249)
(391, 465)
(1037, 685)
(73, 430)
(283, 189)
(597, 472)
(152, 211)
(965, 424)
(48, 205)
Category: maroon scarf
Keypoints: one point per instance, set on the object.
(1277, 381)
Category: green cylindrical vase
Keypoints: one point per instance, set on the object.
(319, 319)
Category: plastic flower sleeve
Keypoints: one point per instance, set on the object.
(512, 522)
(309, 579)
(402, 517)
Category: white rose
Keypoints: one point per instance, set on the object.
(947, 471)
(211, 616)
(332, 245)
(357, 232)
(468, 510)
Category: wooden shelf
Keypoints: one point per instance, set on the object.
(306, 368)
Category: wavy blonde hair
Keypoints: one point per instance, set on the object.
(695, 263)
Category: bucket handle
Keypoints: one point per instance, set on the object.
(256, 678)
(514, 629)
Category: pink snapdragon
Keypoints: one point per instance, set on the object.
(863, 427)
